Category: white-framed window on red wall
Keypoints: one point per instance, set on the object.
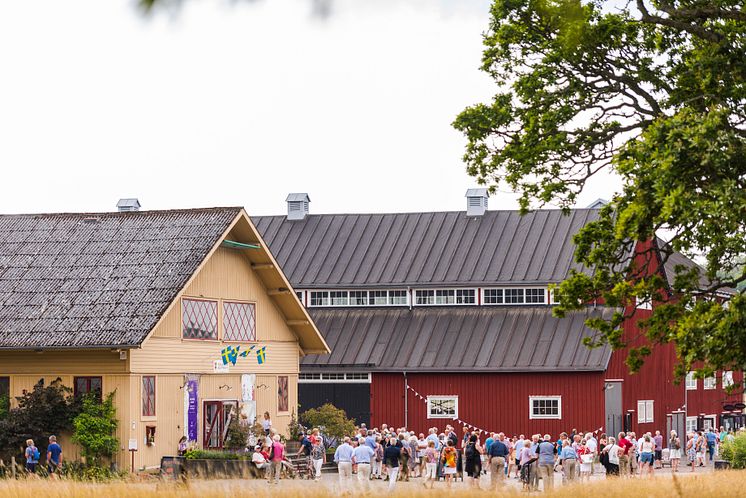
(239, 321)
(148, 395)
(199, 319)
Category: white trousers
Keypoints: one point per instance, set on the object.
(317, 467)
(393, 474)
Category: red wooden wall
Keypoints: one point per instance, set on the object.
(655, 380)
(497, 402)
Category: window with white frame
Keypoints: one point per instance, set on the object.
(347, 378)
(644, 411)
(554, 296)
(398, 297)
(691, 382)
(445, 296)
(708, 423)
(358, 298)
(540, 407)
(424, 297)
(727, 379)
(493, 296)
(319, 298)
(513, 296)
(466, 296)
(378, 298)
(300, 296)
(338, 298)
(642, 303)
(442, 407)
(710, 383)
(691, 424)
(535, 296)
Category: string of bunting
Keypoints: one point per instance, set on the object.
(462, 422)
(458, 420)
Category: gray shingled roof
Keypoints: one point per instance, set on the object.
(494, 338)
(97, 280)
(439, 249)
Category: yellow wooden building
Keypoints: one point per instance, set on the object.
(184, 313)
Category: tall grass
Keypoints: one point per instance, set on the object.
(728, 484)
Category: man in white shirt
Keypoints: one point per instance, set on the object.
(592, 445)
(259, 460)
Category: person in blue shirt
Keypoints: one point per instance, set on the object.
(498, 452)
(391, 460)
(54, 456)
(32, 456)
(488, 442)
(569, 459)
(362, 456)
(546, 451)
(343, 458)
(711, 438)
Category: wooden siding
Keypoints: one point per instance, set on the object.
(228, 275)
(84, 362)
(494, 402)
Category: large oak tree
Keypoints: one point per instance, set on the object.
(654, 90)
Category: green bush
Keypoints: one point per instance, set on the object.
(330, 420)
(94, 429)
(4, 406)
(238, 435)
(195, 454)
(735, 451)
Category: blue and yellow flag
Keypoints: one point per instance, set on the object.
(230, 354)
(261, 354)
(245, 354)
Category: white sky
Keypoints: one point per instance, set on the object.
(227, 103)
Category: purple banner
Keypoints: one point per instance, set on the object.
(192, 406)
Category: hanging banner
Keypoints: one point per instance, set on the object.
(248, 402)
(192, 409)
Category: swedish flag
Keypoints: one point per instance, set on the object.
(261, 355)
(230, 354)
(245, 354)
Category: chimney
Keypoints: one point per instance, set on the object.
(476, 201)
(297, 206)
(126, 205)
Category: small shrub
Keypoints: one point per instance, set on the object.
(195, 454)
(735, 451)
(4, 406)
(330, 420)
(95, 428)
(238, 435)
(295, 429)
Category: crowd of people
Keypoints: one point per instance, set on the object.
(396, 454)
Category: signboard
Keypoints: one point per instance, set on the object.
(132, 446)
(192, 406)
(219, 367)
(248, 402)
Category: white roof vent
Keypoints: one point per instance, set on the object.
(476, 201)
(125, 205)
(297, 206)
(597, 204)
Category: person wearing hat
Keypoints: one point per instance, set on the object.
(259, 460)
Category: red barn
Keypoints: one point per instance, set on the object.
(444, 317)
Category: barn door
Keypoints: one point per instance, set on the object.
(218, 416)
(613, 402)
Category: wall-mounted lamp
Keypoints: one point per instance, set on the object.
(262, 386)
(226, 387)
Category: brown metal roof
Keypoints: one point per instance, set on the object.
(97, 279)
(447, 248)
(439, 339)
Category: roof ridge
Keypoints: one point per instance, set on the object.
(123, 213)
(424, 212)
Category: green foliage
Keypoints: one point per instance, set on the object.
(195, 454)
(41, 412)
(95, 428)
(4, 406)
(238, 435)
(332, 421)
(654, 92)
(295, 428)
(735, 451)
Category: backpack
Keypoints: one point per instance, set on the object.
(36, 454)
(469, 451)
(272, 451)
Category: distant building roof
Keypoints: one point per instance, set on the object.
(486, 338)
(97, 280)
(675, 259)
(476, 192)
(439, 249)
(300, 197)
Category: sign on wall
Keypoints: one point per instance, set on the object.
(192, 409)
(248, 401)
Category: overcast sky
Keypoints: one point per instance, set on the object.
(225, 103)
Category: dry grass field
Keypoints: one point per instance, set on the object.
(711, 485)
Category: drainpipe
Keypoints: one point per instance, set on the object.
(406, 411)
